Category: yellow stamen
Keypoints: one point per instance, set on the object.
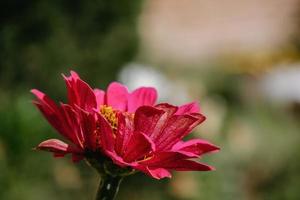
(146, 158)
(110, 115)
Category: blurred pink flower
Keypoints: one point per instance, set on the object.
(129, 128)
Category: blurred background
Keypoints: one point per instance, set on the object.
(240, 59)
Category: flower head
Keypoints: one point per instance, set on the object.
(124, 130)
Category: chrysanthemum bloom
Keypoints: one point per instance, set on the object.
(120, 132)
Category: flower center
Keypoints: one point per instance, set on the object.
(110, 115)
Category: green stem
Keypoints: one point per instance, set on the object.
(108, 187)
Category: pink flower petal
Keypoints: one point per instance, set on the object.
(151, 120)
(72, 125)
(174, 161)
(58, 147)
(118, 160)
(200, 118)
(138, 146)
(175, 129)
(164, 129)
(106, 134)
(79, 92)
(100, 97)
(44, 99)
(154, 172)
(146, 119)
(63, 118)
(88, 128)
(195, 147)
(117, 96)
(161, 159)
(188, 165)
(123, 133)
(159, 173)
(192, 107)
(168, 108)
(143, 96)
(50, 111)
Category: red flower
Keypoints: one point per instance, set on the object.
(125, 127)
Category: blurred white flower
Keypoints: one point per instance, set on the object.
(282, 84)
(136, 75)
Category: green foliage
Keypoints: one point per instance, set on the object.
(40, 39)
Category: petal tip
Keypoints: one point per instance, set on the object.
(74, 74)
(37, 93)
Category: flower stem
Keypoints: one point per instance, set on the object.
(108, 187)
